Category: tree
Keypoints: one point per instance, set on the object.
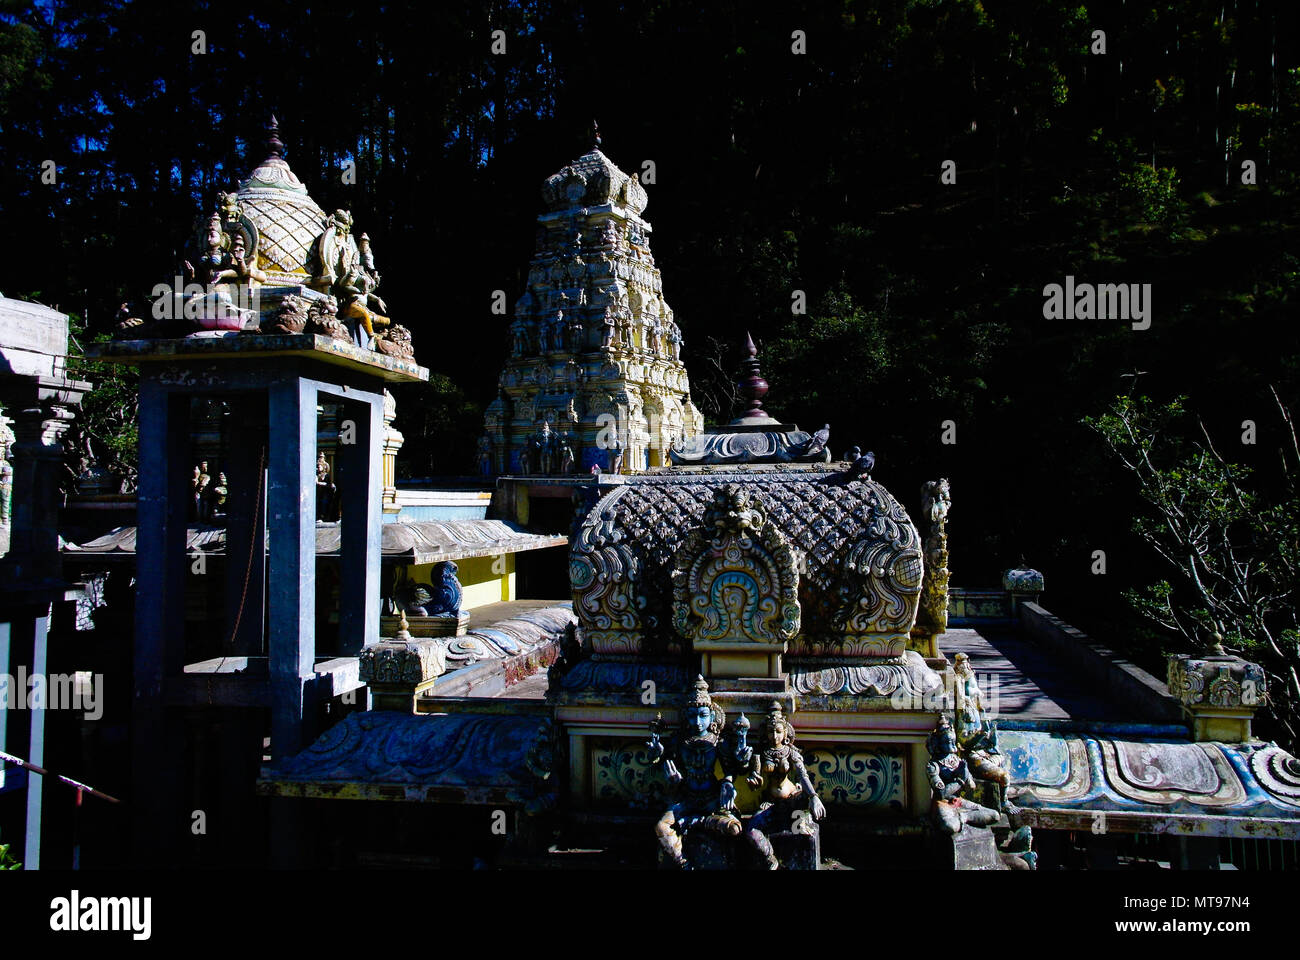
(1229, 537)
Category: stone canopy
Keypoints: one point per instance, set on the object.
(854, 557)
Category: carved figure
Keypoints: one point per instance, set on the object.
(936, 501)
(789, 800)
(485, 455)
(700, 799)
(199, 483)
(290, 316)
(609, 325)
(977, 736)
(949, 777)
(521, 343)
(324, 489)
(215, 497)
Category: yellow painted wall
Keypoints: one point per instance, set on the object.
(483, 580)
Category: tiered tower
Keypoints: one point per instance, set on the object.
(595, 355)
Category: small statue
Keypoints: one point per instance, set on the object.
(446, 594)
(485, 455)
(977, 736)
(609, 324)
(324, 489)
(675, 340)
(237, 267)
(789, 800)
(546, 451)
(520, 341)
(616, 460)
(566, 454)
(215, 495)
(290, 316)
(700, 799)
(949, 778)
(199, 484)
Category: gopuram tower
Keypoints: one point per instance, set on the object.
(594, 375)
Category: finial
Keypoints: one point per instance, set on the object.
(595, 135)
(274, 146)
(751, 384)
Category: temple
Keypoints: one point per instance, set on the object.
(633, 641)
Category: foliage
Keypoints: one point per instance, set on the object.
(7, 861)
(106, 429)
(1232, 549)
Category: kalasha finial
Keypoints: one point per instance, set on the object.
(752, 385)
(274, 145)
(595, 135)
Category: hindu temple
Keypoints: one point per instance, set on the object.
(635, 641)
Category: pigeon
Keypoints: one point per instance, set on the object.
(861, 467)
(851, 454)
(817, 442)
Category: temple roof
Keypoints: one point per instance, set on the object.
(593, 180)
(425, 541)
(287, 219)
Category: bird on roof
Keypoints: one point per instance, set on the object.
(817, 442)
(851, 454)
(861, 467)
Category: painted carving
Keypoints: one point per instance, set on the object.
(735, 577)
(936, 500)
(949, 778)
(702, 798)
(789, 800)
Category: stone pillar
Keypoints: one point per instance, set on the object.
(1219, 694)
(42, 409)
(1025, 585)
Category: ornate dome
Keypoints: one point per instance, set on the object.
(286, 218)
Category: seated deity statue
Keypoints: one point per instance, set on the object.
(789, 800)
(949, 777)
(700, 799)
(237, 268)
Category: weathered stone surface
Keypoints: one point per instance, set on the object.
(859, 552)
(595, 352)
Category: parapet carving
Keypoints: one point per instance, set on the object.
(736, 577)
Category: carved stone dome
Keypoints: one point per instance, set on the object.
(286, 218)
(859, 556)
(591, 181)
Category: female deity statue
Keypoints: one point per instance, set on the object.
(787, 790)
(700, 799)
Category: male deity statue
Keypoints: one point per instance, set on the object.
(700, 799)
(789, 800)
(977, 735)
(949, 778)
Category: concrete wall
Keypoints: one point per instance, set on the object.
(1098, 665)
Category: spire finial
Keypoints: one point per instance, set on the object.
(595, 135)
(274, 145)
(751, 384)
